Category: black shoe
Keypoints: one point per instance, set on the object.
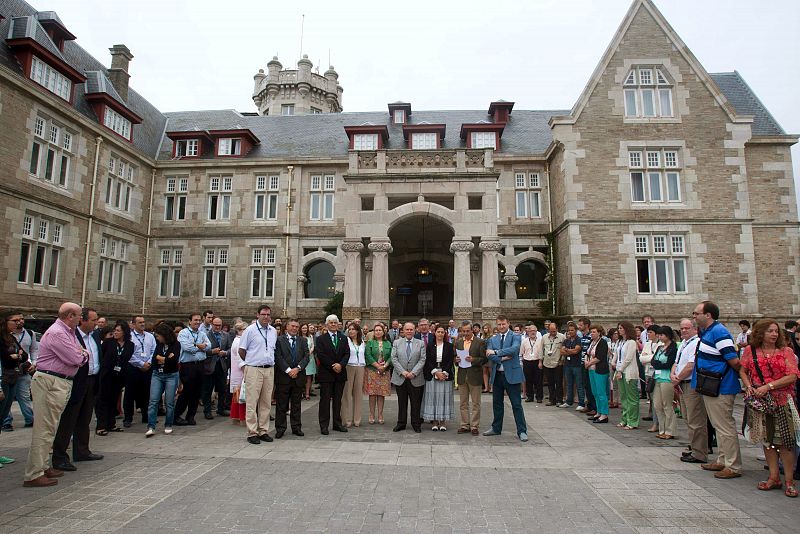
(686, 454)
(647, 418)
(324, 431)
(398, 428)
(64, 466)
(339, 428)
(271, 417)
(298, 432)
(180, 421)
(529, 399)
(209, 416)
(127, 424)
(265, 437)
(224, 413)
(191, 422)
(279, 434)
(8, 428)
(28, 425)
(417, 429)
(691, 460)
(539, 401)
(91, 457)
(254, 440)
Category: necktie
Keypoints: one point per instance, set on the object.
(425, 339)
(408, 350)
(502, 340)
(294, 352)
(335, 340)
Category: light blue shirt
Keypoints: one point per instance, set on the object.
(92, 349)
(144, 345)
(188, 338)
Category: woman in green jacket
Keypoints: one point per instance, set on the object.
(378, 356)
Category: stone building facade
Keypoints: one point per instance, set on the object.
(646, 197)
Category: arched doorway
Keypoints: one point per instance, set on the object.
(421, 268)
(320, 283)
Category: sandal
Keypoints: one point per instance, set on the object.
(769, 484)
(629, 427)
(371, 420)
(791, 490)
(101, 432)
(621, 425)
(380, 421)
(116, 429)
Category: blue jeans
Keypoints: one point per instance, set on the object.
(21, 392)
(501, 385)
(599, 384)
(166, 383)
(574, 376)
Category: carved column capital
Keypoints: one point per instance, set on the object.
(338, 277)
(491, 246)
(511, 278)
(380, 246)
(352, 246)
(461, 246)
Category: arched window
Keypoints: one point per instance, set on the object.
(531, 283)
(320, 284)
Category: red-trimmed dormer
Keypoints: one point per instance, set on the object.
(424, 136)
(367, 136)
(193, 144)
(233, 143)
(399, 112)
(482, 134)
(41, 58)
(500, 111)
(55, 29)
(111, 110)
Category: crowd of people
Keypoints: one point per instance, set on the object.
(84, 367)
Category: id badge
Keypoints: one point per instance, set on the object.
(160, 369)
(117, 368)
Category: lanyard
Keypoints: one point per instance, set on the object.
(141, 341)
(194, 335)
(263, 335)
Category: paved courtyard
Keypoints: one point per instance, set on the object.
(572, 476)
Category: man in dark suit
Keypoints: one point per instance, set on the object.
(394, 331)
(503, 351)
(77, 414)
(408, 362)
(291, 359)
(470, 379)
(215, 369)
(424, 333)
(333, 352)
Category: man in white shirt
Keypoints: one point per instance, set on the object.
(534, 389)
(452, 331)
(137, 373)
(208, 318)
(257, 349)
(743, 338)
(692, 407)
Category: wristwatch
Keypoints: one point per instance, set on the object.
(771, 386)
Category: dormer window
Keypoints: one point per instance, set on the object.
(482, 134)
(483, 140)
(229, 146)
(424, 136)
(188, 148)
(421, 141)
(365, 142)
(50, 79)
(399, 112)
(367, 136)
(117, 123)
(399, 116)
(648, 93)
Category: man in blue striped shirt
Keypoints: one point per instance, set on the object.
(194, 343)
(716, 352)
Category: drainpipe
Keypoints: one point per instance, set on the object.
(552, 237)
(98, 141)
(147, 246)
(286, 244)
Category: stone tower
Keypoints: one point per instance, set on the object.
(296, 92)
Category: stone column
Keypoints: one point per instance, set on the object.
(338, 280)
(351, 308)
(379, 293)
(462, 283)
(511, 286)
(490, 282)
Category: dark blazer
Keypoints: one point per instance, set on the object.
(283, 360)
(210, 363)
(448, 357)
(601, 353)
(327, 355)
(109, 358)
(81, 379)
(431, 337)
(671, 353)
(472, 375)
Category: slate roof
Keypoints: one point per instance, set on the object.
(98, 82)
(746, 102)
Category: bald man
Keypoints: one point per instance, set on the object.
(60, 356)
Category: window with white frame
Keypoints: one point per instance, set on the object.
(262, 272)
(52, 152)
(655, 175)
(528, 192)
(117, 123)
(219, 197)
(119, 184)
(423, 140)
(215, 272)
(229, 146)
(399, 116)
(647, 93)
(287, 109)
(365, 141)
(175, 198)
(187, 148)
(113, 265)
(41, 249)
(169, 272)
(266, 197)
(660, 263)
(50, 79)
(322, 192)
(483, 140)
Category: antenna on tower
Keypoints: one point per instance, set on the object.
(302, 26)
(329, 57)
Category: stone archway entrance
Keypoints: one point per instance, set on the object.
(421, 268)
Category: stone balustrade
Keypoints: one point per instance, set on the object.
(423, 161)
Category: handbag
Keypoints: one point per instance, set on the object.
(708, 382)
(650, 385)
(765, 404)
(242, 392)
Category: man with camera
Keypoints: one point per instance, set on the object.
(27, 345)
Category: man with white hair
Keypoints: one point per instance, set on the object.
(692, 407)
(60, 356)
(333, 353)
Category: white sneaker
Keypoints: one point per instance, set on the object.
(580, 409)
(168, 430)
(150, 433)
(563, 405)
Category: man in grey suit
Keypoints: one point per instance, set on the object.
(291, 359)
(215, 369)
(408, 359)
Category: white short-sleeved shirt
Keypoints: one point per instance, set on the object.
(259, 342)
(686, 354)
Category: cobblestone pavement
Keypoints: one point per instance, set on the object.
(571, 476)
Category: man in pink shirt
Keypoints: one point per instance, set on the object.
(60, 355)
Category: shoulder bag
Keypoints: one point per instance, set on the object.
(765, 404)
(708, 382)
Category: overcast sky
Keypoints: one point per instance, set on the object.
(436, 54)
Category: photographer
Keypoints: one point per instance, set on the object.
(15, 361)
(25, 340)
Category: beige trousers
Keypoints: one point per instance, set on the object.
(720, 413)
(353, 393)
(663, 396)
(467, 392)
(50, 395)
(258, 384)
(694, 412)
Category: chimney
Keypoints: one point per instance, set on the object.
(118, 73)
